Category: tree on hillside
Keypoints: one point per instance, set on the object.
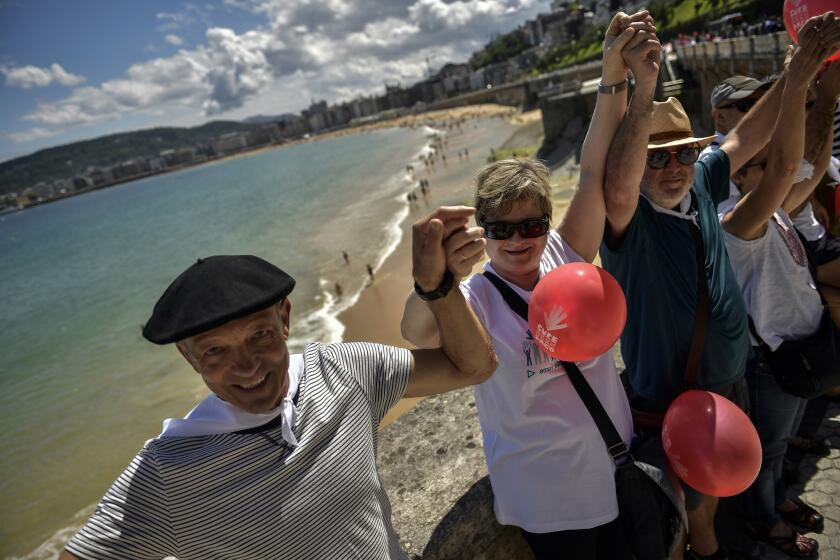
(661, 12)
(499, 49)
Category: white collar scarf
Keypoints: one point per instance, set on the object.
(683, 212)
(215, 416)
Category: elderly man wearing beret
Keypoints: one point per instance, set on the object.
(280, 461)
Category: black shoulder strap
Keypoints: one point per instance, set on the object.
(615, 445)
(812, 267)
(754, 331)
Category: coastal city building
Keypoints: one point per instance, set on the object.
(514, 57)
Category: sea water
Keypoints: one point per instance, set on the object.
(80, 390)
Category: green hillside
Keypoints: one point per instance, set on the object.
(71, 159)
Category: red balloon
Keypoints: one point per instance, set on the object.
(797, 12)
(577, 312)
(711, 444)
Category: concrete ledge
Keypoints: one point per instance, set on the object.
(432, 464)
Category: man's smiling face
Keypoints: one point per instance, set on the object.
(245, 362)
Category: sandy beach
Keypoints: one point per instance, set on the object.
(376, 315)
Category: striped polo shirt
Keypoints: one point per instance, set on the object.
(835, 146)
(251, 496)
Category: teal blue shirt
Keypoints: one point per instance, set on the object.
(655, 265)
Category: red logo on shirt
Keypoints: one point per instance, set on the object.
(794, 245)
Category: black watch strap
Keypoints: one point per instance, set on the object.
(440, 291)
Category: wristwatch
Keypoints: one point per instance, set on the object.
(610, 90)
(439, 292)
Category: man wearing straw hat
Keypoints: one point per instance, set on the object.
(280, 460)
(687, 322)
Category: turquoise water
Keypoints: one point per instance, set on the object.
(80, 390)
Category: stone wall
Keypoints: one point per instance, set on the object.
(567, 97)
(704, 65)
(432, 464)
(513, 94)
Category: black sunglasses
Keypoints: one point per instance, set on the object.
(534, 227)
(743, 105)
(658, 159)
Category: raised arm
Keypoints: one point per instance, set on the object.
(583, 223)
(464, 247)
(751, 134)
(465, 356)
(748, 219)
(818, 136)
(627, 155)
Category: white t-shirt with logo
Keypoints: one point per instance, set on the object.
(548, 464)
(778, 287)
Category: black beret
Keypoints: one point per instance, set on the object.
(212, 292)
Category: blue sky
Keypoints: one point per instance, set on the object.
(73, 69)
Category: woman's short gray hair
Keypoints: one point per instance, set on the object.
(501, 184)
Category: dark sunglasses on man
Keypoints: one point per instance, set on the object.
(529, 229)
(743, 105)
(658, 159)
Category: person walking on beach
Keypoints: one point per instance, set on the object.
(661, 222)
(280, 460)
(345, 257)
(369, 269)
(551, 473)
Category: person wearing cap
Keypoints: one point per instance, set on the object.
(657, 198)
(771, 266)
(731, 100)
(280, 460)
(811, 219)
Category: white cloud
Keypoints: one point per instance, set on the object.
(323, 49)
(190, 15)
(35, 133)
(173, 39)
(432, 14)
(239, 68)
(28, 77)
(147, 86)
(389, 32)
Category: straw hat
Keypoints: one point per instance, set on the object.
(671, 126)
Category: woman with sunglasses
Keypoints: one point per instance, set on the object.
(549, 467)
(771, 266)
